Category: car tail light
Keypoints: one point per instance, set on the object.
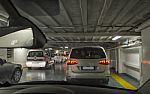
(71, 62)
(104, 61)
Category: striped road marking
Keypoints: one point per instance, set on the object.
(122, 82)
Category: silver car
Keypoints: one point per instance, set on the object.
(9, 72)
(88, 63)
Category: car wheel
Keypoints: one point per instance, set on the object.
(16, 75)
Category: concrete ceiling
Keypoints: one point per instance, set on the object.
(91, 22)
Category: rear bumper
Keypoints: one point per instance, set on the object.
(35, 64)
(88, 75)
(101, 80)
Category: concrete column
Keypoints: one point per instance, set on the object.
(20, 56)
(145, 72)
(121, 60)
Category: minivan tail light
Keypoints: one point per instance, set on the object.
(104, 61)
(71, 62)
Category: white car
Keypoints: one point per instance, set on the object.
(38, 58)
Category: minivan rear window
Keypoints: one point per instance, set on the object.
(35, 53)
(87, 53)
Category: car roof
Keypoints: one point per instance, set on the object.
(88, 46)
(36, 50)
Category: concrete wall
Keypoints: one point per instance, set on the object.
(20, 56)
(130, 62)
(113, 56)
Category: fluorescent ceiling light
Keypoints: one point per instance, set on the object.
(110, 37)
(61, 47)
(57, 51)
(50, 48)
(116, 37)
(66, 47)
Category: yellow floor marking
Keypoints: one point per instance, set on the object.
(122, 82)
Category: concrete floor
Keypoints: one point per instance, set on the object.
(57, 75)
(41, 75)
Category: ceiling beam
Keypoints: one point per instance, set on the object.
(121, 5)
(80, 42)
(52, 20)
(77, 44)
(67, 15)
(91, 34)
(83, 7)
(35, 20)
(105, 7)
(86, 26)
(134, 14)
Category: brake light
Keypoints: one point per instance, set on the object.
(104, 61)
(71, 62)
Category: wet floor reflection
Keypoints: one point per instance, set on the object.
(57, 74)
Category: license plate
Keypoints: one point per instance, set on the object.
(88, 68)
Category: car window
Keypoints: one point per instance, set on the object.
(87, 53)
(35, 53)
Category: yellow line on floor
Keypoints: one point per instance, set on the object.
(122, 82)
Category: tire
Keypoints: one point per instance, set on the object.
(16, 76)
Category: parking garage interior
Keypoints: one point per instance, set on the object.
(120, 26)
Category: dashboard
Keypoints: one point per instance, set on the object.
(61, 89)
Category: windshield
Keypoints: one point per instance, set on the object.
(35, 53)
(100, 42)
(87, 53)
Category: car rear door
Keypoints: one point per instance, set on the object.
(35, 56)
(87, 59)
